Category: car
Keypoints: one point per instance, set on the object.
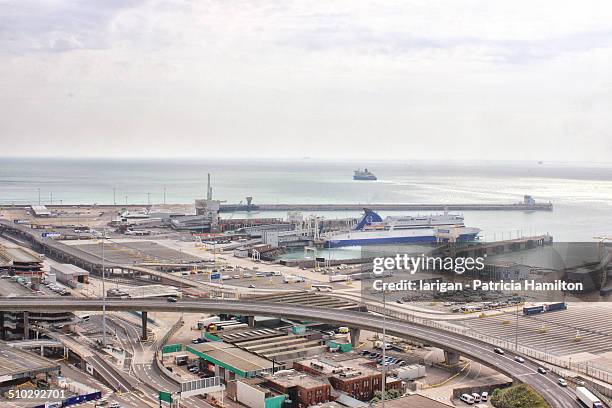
(519, 359)
(401, 363)
(236, 276)
(172, 300)
(252, 286)
(498, 350)
(484, 397)
(114, 405)
(198, 340)
(400, 301)
(562, 382)
(542, 370)
(365, 352)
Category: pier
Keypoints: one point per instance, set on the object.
(388, 207)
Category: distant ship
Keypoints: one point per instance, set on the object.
(373, 230)
(363, 175)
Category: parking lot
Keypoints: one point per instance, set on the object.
(555, 332)
(260, 279)
(141, 251)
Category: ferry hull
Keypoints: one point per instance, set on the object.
(356, 241)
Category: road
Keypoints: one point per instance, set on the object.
(474, 349)
(140, 363)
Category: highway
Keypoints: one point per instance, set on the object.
(151, 380)
(476, 350)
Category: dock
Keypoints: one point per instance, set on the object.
(388, 207)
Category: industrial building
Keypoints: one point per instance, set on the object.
(70, 275)
(277, 345)
(252, 393)
(230, 362)
(303, 389)
(40, 211)
(348, 375)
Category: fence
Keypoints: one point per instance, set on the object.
(586, 368)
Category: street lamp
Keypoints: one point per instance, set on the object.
(103, 293)
(384, 344)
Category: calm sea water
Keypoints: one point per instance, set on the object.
(582, 194)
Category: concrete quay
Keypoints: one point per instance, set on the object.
(388, 207)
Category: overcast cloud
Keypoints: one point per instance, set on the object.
(458, 79)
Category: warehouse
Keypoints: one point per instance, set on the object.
(229, 362)
(40, 211)
(70, 275)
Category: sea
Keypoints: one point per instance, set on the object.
(580, 192)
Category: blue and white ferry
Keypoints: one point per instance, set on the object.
(373, 230)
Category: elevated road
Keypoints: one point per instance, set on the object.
(452, 342)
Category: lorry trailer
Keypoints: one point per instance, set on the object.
(587, 398)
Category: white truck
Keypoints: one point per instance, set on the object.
(588, 398)
(292, 279)
(338, 278)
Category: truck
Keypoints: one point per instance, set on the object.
(204, 323)
(411, 372)
(551, 307)
(338, 278)
(181, 359)
(293, 279)
(587, 398)
(531, 310)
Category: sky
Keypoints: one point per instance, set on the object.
(345, 79)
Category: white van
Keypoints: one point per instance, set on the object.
(467, 398)
(476, 396)
(484, 397)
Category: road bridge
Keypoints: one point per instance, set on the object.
(453, 343)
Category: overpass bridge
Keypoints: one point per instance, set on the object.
(454, 344)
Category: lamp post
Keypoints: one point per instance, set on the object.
(103, 293)
(384, 346)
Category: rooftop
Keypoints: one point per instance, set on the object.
(69, 269)
(293, 378)
(229, 356)
(343, 369)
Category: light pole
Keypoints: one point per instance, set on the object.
(384, 346)
(39, 196)
(103, 293)
(516, 333)
(164, 195)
